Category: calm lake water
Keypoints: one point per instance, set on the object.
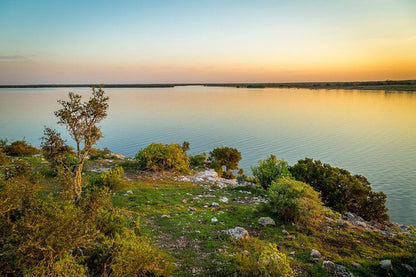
(372, 133)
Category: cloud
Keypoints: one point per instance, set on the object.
(14, 58)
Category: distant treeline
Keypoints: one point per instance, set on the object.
(388, 85)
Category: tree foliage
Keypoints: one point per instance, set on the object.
(227, 157)
(270, 170)
(341, 190)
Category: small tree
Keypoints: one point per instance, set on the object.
(80, 119)
(270, 170)
(225, 156)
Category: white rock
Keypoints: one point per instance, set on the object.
(238, 233)
(265, 221)
(224, 199)
(215, 204)
(328, 266)
(214, 220)
(315, 254)
(386, 265)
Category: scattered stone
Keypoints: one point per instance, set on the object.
(184, 201)
(408, 268)
(386, 265)
(215, 204)
(205, 206)
(128, 193)
(292, 253)
(238, 233)
(192, 209)
(328, 266)
(290, 237)
(224, 199)
(284, 232)
(165, 216)
(214, 220)
(356, 265)
(265, 221)
(315, 254)
(341, 271)
(336, 269)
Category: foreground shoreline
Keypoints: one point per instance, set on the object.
(399, 85)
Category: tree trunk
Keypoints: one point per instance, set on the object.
(78, 182)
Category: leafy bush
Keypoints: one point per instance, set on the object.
(17, 167)
(134, 256)
(96, 154)
(3, 158)
(294, 201)
(227, 157)
(342, 191)
(160, 157)
(259, 259)
(270, 170)
(20, 148)
(197, 162)
(110, 179)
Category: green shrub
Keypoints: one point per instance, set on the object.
(270, 170)
(294, 201)
(65, 266)
(110, 178)
(96, 154)
(17, 167)
(20, 148)
(227, 157)
(160, 157)
(134, 256)
(197, 162)
(3, 158)
(256, 258)
(341, 190)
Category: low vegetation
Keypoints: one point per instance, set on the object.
(341, 190)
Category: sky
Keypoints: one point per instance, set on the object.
(206, 41)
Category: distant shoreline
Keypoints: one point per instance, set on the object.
(402, 85)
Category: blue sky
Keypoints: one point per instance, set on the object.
(206, 41)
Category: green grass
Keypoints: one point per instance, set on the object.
(200, 247)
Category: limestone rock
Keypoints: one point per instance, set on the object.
(265, 221)
(386, 265)
(328, 266)
(224, 199)
(315, 254)
(215, 204)
(214, 220)
(238, 233)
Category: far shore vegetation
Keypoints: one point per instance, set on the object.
(84, 211)
(387, 85)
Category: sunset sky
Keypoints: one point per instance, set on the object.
(206, 41)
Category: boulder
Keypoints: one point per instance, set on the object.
(265, 221)
(408, 268)
(238, 233)
(215, 204)
(386, 265)
(336, 269)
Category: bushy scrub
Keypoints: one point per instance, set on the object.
(294, 201)
(227, 157)
(341, 190)
(257, 258)
(16, 167)
(105, 153)
(134, 256)
(20, 148)
(197, 162)
(269, 170)
(160, 157)
(110, 178)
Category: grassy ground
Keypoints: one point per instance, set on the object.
(177, 217)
